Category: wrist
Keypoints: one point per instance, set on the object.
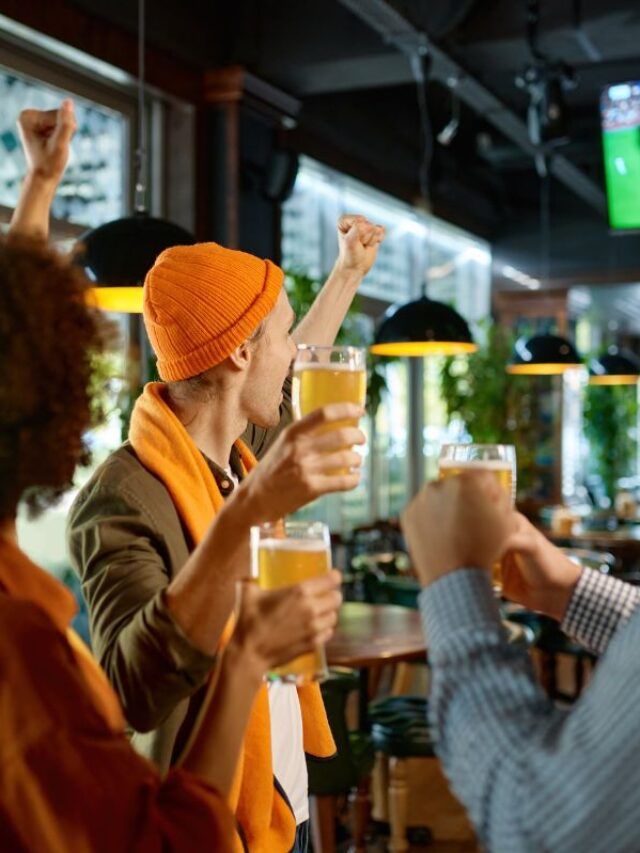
(38, 179)
(349, 277)
(559, 597)
(241, 656)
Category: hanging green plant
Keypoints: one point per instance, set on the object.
(610, 424)
(497, 408)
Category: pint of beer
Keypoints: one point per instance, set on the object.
(284, 555)
(499, 459)
(316, 385)
(323, 375)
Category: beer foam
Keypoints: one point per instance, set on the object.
(476, 464)
(310, 545)
(334, 367)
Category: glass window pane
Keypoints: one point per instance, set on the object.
(92, 190)
(391, 450)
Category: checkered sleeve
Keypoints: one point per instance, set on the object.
(532, 776)
(600, 604)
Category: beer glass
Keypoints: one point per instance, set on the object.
(323, 375)
(284, 554)
(499, 459)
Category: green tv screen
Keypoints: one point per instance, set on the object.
(620, 112)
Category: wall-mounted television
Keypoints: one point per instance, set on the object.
(620, 115)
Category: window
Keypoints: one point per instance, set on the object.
(93, 188)
(419, 253)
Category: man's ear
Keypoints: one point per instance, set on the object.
(241, 356)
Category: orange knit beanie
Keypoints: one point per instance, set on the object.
(201, 302)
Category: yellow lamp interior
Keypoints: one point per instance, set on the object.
(613, 379)
(122, 300)
(418, 348)
(540, 369)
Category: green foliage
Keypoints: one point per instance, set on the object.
(610, 424)
(496, 407)
(476, 388)
(104, 375)
(302, 290)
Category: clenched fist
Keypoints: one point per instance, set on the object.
(460, 522)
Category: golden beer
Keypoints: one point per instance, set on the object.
(317, 385)
(285, 562)
(503, 471)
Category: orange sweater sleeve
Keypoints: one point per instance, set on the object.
(69, 781)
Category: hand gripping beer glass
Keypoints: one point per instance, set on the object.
(323, 375)
(498, 459)
(280, 559)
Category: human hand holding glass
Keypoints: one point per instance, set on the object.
(497, 459)
(286, 554)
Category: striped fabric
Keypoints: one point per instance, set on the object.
(532, 777)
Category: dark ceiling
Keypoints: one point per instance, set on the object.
(359, 104)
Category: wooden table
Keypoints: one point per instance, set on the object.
(372, 634)
(369, 635)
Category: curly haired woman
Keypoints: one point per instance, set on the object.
(69, 780)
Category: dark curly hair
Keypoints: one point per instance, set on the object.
(48, 335)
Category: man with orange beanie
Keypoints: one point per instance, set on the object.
(149, 531)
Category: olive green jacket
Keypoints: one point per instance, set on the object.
(126, 543)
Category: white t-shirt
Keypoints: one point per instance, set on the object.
(287, 747)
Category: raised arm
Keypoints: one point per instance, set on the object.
(358, 241)
(531, 776)
(46, 137)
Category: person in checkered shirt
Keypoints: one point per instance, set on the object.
(533, 776)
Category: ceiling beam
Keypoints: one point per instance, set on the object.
(396, 30)
(352, 73)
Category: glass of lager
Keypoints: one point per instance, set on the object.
(284, 554)
(323, 375)
(499, 459)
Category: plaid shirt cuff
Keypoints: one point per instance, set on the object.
(600, 604)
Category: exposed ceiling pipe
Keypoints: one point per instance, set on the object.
(396, 30)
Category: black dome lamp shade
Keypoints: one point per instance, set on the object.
(543, 355)
(423, 327)
(118, 255)
(614, 367)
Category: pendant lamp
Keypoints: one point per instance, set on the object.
(614, 367)
(543, 355)
(118, 255)
(423, 327)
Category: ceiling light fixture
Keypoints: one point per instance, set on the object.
(543, 355)
(118, 255)
(614, 367)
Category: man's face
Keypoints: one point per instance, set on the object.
(271, 360)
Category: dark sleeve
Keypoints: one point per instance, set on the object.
(260, 439)
(118, 554)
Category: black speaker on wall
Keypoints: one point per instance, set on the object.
(280, 175)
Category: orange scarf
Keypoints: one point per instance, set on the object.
(164, 447)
